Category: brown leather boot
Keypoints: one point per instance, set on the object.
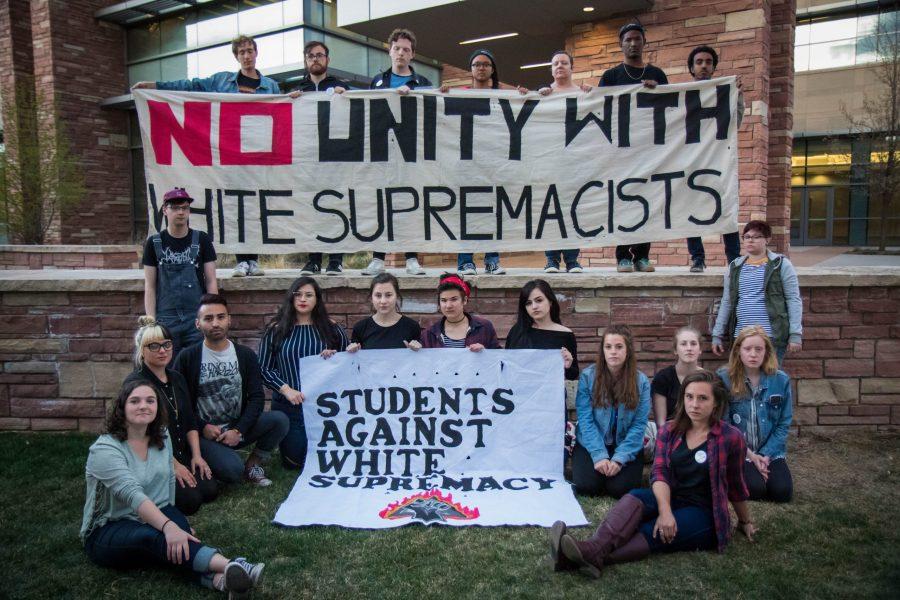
(560, 562)
(634, 549)
(619, 526)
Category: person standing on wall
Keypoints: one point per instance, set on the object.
(633, 70)
(402, 77)
(248, 80)
(179, 264)
(702, 63)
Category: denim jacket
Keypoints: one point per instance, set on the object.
(774, 412)
(223, 82)
(593, 421)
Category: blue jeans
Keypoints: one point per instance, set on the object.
(225, 462)
(490, 258)
(696, 529)
(293, 446)
(732, 243)
(570, 257)
(129, 544)
(183, 328)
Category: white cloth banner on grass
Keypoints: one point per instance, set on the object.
(448, 437)
(459, 172)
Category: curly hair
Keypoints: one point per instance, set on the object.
(115, 421)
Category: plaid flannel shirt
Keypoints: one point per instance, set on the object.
(726, 452)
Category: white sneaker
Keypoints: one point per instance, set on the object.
(241, 269)
(413, 267)
(254, 270)
(375, 267)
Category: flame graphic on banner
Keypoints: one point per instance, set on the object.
(429, 507)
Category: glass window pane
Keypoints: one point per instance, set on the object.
(840, 232)
(817, 203)
(433, 74)
(293, 12)
(378, 61)
(866, 25)
(801, 34)
(217, 23)
(817, 230)
(347, 56)
(260, 15)
(828, 31)
(832, 54)
(828, 175)
(889, 21)
(271, 51)
(866, 49)
(148, 71)
(293, 49)
(173, 35)
(801, 58)
(841, 202)
(143, 41)
(214, 60)
(174, 67)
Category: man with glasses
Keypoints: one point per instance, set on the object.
(179, 265)
(402, 77)
(702, 63)
(248, 80)
(484, 77)
(225, 384)
(317, 79)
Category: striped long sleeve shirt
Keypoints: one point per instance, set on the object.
(281, 365)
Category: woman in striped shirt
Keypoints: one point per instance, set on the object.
(300, 328)
(458, 328)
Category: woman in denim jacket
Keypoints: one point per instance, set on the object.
(613, 403)
(761, 407)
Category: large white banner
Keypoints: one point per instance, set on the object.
(464, 171)
(447, 437)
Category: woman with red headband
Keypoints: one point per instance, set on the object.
(457, 328)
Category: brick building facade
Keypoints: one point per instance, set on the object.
(77, 61)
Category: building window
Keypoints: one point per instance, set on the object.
(830, 199)
(844, 41)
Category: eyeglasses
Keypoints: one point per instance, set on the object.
(481, 65)
(156, 347)
(317, 55)
(753, 238)
(180, 207)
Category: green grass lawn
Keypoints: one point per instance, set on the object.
(838, 539)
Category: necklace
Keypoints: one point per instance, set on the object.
(639, 77)
(164, 388)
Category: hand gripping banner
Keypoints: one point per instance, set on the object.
(437, 437)
(465, 171)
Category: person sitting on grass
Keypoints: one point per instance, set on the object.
(613, 403)
(458, 328)
(387, 327)
(760, 408)
(130, 519)
(666, 385)
(153, 351)
(697, 471)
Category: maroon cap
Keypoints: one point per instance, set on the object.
(177, 195)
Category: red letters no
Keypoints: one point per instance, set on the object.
(230, 114)
(192, 137)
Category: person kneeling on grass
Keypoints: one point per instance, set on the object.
(130, 520)
(697, 470)
(761, 408)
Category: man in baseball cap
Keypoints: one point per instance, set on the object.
(179, 267)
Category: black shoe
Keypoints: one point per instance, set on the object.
(311, 268)
(552, 266)
(697, 266)
(334, 268)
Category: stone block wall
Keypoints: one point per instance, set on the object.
(66, 344)
(69, 257)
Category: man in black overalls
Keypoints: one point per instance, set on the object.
(179, 267)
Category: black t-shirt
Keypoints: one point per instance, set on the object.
(665, 383)
(691, 471)
(247, 85)
(544, 339)
(372, 336)
(177, 251)
(625, 75)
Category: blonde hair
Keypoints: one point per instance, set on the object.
(686, 329)
(149, 331)
(736, 372)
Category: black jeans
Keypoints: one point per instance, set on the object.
(633, 252)
(239, 258)
(128, 544)
(316, 257)
(189, 499)
(732, 243)
(591, 483)
(778, 488)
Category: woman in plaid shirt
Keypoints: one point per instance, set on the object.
(697, 471)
